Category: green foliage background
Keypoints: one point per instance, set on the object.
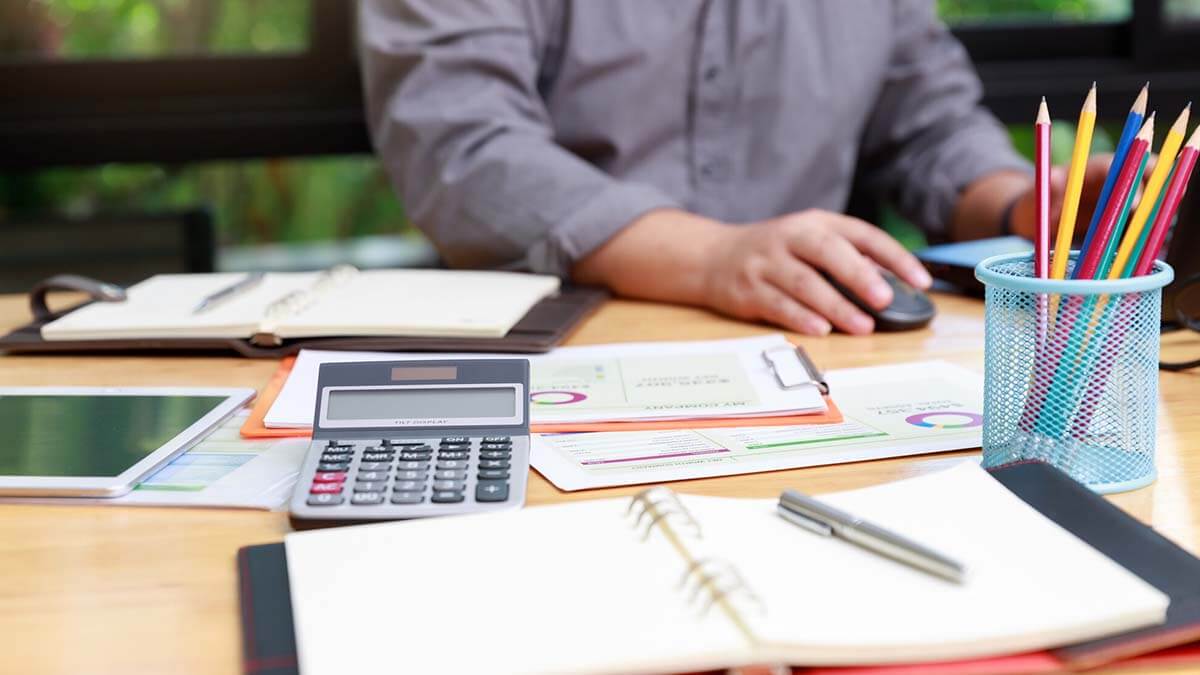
(285, 200)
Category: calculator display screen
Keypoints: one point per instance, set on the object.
(421, 403)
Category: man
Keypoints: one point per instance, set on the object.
(692, 151)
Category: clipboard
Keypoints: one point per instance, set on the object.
(255, 426)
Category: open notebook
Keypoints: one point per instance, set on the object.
(338, 302)
(695, 583)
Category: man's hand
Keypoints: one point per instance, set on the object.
(771, 270)
(774, 270)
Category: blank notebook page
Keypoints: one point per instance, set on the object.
(1030, 584)
(422, 302)
(543, 590)
(164, 306)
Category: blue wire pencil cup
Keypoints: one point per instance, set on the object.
(1071, 372)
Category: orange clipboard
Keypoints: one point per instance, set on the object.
(255, 428)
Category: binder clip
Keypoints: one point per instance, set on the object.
(793, 368)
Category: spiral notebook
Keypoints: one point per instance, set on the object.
(667, 582)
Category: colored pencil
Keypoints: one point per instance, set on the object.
(1158, 179)
(1110, 247)
(1041, 256)
(1040, 383)
(1132, 263)
(1166, 213)
(1079, 160)
(1133, 122)
(1091, 259)
(1118, 326)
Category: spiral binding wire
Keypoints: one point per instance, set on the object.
(717, 576)
(660, 504)
(297, 301)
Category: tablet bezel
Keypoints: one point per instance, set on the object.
(115, 486)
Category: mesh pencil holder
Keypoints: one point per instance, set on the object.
(1071, 372)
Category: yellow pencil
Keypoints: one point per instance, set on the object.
(1166, 158)
(1079, 158)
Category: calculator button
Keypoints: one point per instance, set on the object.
(326, 467)
(495, 446)
(409, 485)
(330, 477)
(450, 464)
(336, 456)
(455, 439)
(377, 456)
(450, 475)
(451, 485)
(325, 488)
(454, 447)
(405, 444)
(454, 455)
(374, 466)
(493, 464)
(367, 498)
(371, 475)
(407, 497)
(370, 486)
(339, 444)
(415, 456)
(494, 454)
(413, 466)
(325, 500)
(493, 474)
(411, 475)
(491, 491)
(445, 497)
(497, 439)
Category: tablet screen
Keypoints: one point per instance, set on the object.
(90, 435)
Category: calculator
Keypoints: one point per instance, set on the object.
(409, 439)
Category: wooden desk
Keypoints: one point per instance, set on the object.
(150, 590)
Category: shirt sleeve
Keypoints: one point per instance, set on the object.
(928, 137)
(461, 128)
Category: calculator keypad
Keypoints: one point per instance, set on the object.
(379, 473)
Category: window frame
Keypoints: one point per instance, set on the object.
(177, 109)
(171, 110)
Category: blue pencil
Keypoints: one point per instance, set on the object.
(1133, 123)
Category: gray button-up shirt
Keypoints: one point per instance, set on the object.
(525, 133)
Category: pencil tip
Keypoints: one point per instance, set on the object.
(1139, 105)
(1043, 116)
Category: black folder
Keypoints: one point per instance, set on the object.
(270, 645)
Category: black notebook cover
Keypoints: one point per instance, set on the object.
(270, 644)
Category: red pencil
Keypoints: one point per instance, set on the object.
(1041, 251)
(1166, 212)
(1090, 263)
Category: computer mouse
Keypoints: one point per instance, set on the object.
(910, 309)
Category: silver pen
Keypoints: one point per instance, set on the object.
(818, 517)
(241, 286)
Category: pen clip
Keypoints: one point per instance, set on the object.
(783, 362)
(807, 522)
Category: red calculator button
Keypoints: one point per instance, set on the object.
(330, 477)
(326, 488)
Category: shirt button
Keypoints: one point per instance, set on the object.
(716, 170)
(711, 73)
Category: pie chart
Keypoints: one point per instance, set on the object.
(945, 419)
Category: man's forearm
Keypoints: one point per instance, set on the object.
(660, 256)
(981, 209)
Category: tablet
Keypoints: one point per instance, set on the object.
(101, 442)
